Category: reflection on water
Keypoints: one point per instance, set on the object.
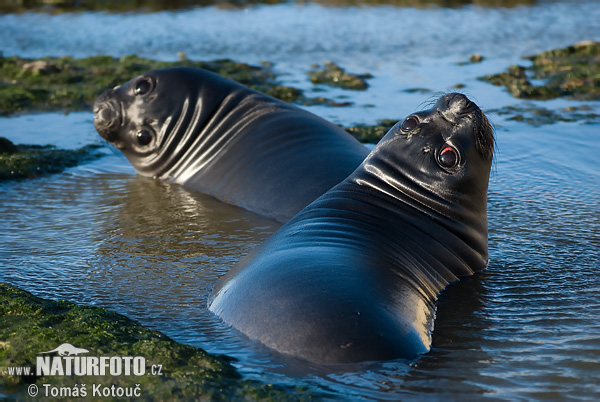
(124, 242)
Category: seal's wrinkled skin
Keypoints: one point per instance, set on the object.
(221, 138)
(356, 274)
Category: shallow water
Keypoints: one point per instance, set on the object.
(98, 234)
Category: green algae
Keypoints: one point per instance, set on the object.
(29, 161)
(572, 72)
(31, 325)
(66, 83)
(539, 116)
(371, 133)
(333, 75)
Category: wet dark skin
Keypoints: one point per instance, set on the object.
(216, 136)
(355, 276)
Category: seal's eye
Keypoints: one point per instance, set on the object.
(143, 86)
(409, 123)
(144, 137)
(448, 157)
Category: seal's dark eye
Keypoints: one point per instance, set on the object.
(409, 123)
(143, 87)
(448, 157)
(144, 137)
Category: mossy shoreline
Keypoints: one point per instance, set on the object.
(30, 325)
(69, 84)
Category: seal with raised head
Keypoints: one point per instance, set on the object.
(219, 137)
(356, 274)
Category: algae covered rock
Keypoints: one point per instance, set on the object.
(572, 72)
(333, 75)
(68, 333)
(535, 115)
(66, 83)
(371, 133)
(29, 161)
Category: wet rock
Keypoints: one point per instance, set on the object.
(29, 161)
(476, 58)
(7, 147)
(371, 133)
(333, 75)
(473, 59)
(285, 93)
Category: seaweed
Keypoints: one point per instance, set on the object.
(31, 325)
(572, 72)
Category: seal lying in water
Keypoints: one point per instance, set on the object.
(355, 275)
(221, 138)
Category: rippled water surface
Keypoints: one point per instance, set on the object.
(98, 234)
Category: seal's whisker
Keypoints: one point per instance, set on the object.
(429, 102)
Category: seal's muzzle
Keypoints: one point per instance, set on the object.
(107, 117)
(455, 105)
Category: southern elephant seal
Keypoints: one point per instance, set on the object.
(217, 136)
(356, 274)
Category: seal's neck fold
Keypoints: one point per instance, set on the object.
(402, 191)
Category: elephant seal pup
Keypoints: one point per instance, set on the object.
(216, 136)
(355, 275)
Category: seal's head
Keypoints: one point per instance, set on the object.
(150, 117)
(447, 146)
(439, 160)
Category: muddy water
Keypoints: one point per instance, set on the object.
(99, 234)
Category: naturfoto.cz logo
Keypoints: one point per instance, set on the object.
(68, 360)
(71, 362)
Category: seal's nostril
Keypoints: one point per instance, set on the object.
(106, 115)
